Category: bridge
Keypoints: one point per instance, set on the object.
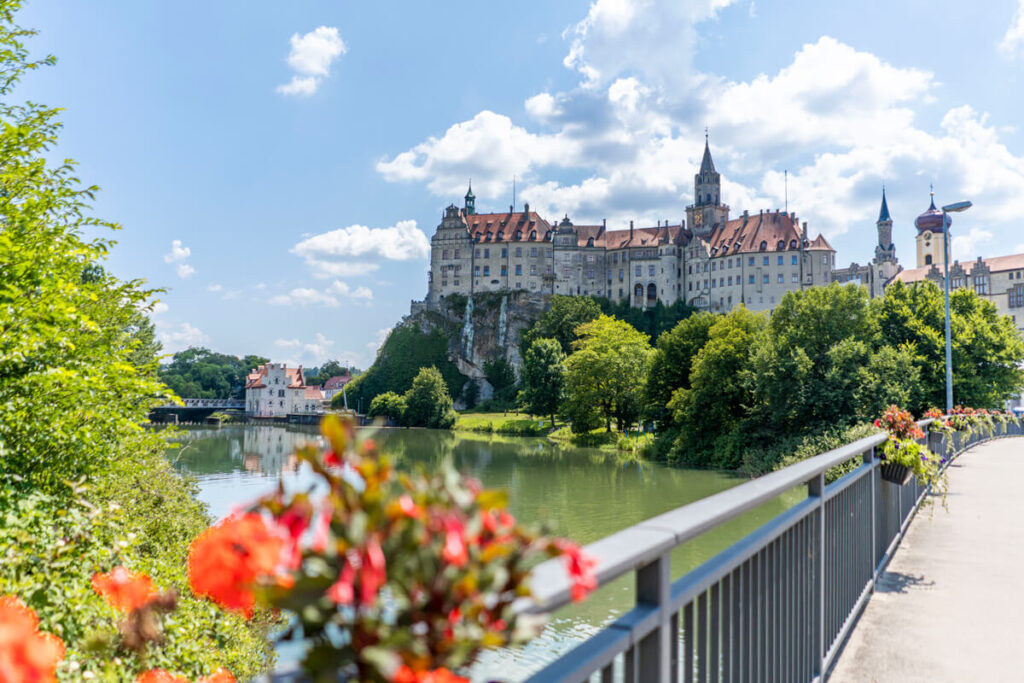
(194, 409)
(780, 604)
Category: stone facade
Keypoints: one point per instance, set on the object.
(706, 259)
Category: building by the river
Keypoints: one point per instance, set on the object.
(707, 259)
(275, 390)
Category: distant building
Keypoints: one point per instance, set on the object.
(1000, 279)
(335, 384)
(275, 390)
(708, 260)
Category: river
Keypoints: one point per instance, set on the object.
(583, 494)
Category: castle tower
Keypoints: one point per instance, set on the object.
(707, 210)
(931, 241)
(885, 265)
(470, 206)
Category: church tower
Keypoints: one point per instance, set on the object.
(707, 210)
(470, 206)
(931, 240)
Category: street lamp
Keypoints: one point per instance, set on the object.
(946, 220)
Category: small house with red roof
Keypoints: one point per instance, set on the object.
(335, 384)
(274, 390)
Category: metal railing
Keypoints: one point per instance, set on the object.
(774, 606)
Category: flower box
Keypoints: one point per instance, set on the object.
(896, 473)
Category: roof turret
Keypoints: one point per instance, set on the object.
(883, 214)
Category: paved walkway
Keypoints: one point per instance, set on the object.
(951, 605)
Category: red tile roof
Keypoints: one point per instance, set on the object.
(256, 378)
(337, 382)
(621, 239)
(314, 393)
(995, 264)
(778, 231)
(507, 227)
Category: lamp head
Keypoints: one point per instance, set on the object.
(957, 206)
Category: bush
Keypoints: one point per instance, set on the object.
(427, 403)
(388, 405)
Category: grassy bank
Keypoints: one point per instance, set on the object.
(514, 424)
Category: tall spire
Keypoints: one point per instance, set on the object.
(931, 191)
(883, 215)
(706, 164)
(470, 199)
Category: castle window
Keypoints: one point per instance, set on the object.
(519, 269)
(487, 237)
(764, 278)
(487, 252)
(781, 278)
(519, 251)
(956, 283)
(1016, 297)
(504, 270)
(750, 261)
(533, 269)
(714, 265)
(781, 245)
(650, 271)
(780, 259)
(444, 254)
(477, 253)
(981, 284)
(709, 196)
(793, 261)
(504, 253)
(796, 277)
(927, 259)
(730, 280)
(533, 252)
(533, 235)
(792, 244)
(519, 235)
(638, 270)
(764, 261)
(764, 246)
(501, 235)
(456, 253)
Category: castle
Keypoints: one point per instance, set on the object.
(709, 260)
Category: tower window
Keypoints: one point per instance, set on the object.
(927, 259)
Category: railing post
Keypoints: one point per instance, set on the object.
(869, 459)
(816, 489)
(658, 651)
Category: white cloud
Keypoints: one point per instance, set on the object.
(842, 120)
(966, 247)
(311, 57)
(231, 294)
(1012, 45)
(213, 288)
(177, 256)
(348, 252)
(158, 308)
(179, 337)
(309, 354)
(329, 297)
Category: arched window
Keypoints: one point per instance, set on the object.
(781, 245)
(764, 246)
(590, 242)
(709, 196)
(652, 293)
(927, 259)
(533, 235)
(638, 291)
(792, 244)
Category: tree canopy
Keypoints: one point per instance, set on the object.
(201, 373)
(543, 384)
(605, 374)
(428, 403)
(561, 321)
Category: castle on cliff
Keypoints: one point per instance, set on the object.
(709, 260)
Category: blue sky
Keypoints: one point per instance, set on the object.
(280, 167)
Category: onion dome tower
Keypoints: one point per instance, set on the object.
(931, 239)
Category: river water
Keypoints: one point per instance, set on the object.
(583, 494)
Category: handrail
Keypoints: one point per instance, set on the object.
(550, 586)
(775, 605)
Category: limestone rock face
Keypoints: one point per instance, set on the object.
(480, 328)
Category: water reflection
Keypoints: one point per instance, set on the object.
(584, 494)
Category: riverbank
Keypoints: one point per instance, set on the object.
(512, 424)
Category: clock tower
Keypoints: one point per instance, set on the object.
(707, 210)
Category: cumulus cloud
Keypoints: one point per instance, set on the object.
(625, 142)
(177, 257)
(967, 247)
(330, 297)
(355, 250)
(1012, 45)
(179, 337)
(307, 353)
(213, 288)
(158, 308)
(311, 57)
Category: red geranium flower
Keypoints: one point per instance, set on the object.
(454, 551)
(221, 675)
(123, 589)
(580, 567)
(227, 559)
(26, 654)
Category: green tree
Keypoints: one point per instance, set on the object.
(502, 377)
(405, 351)
(82, 487)
(672, 360)
(708, 413)
(653, 321)
(987, 348)
(471, 393)
(388, 405)
(428, 403)
(561, 321)
(201, 373)
(543, 382)
(605, 374)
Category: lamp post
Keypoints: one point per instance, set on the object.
(946, 220)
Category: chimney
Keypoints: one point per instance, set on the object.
(631, 230)
(511, 209)
(526, 207)
(604, 222)
(659, 223)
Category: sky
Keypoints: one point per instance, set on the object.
(278, 168)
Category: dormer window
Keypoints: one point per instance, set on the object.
(501, 235)
(792, 244)
(764, 246)
(781, 245)
(533, 235)
(519, 235)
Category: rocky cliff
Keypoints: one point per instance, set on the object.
(483, 327)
